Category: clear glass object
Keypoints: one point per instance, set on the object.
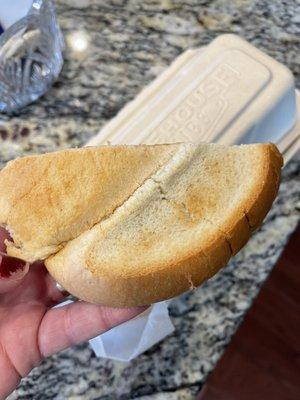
(30, 56)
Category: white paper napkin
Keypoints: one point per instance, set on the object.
(127, 341)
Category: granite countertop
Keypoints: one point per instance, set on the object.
(130, 42)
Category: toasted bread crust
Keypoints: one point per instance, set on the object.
(258, 205)
(47, 200)
(72, 267)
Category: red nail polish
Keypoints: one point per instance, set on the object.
(10, 265)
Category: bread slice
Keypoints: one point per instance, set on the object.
(47, 200)
(132, 225)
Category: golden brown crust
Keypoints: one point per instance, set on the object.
(267, 186)
(50, 199)
(143, 288)
(124, 288)
(259, 203)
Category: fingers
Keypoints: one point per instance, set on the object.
(12, 272)
(77, 322)
(37, 285)
(56, 293)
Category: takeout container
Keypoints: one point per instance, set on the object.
(229, 92)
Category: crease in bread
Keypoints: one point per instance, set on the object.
(191, 209)
(71, 190)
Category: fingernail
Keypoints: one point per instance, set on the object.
(12, 267)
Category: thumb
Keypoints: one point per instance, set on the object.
(12, 272)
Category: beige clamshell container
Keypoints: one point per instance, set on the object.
(228, 92)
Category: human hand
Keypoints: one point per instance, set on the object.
(30, 330)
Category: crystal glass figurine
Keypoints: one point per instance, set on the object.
(30, 56)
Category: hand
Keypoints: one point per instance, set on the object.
(30, 330)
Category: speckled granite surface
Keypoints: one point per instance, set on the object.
(130, 43)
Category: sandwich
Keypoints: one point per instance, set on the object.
(132, 225)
